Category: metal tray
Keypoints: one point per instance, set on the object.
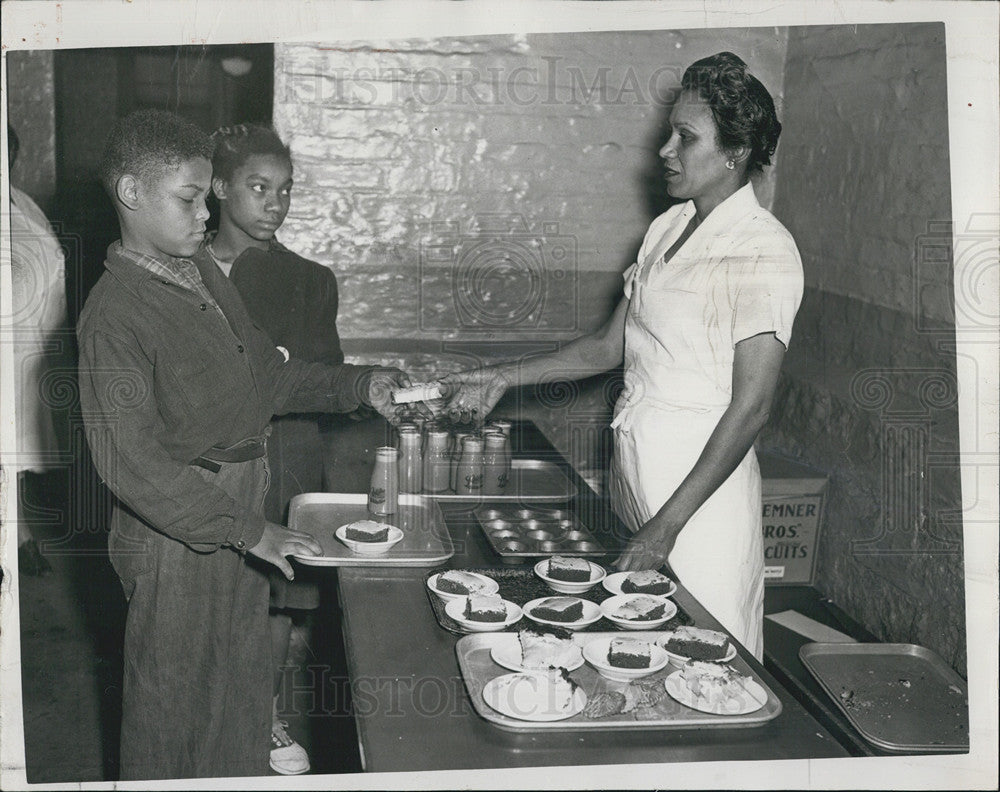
(478, 668)
(900, 697)
(523, 585)
(517, 532)
(530, 480)
(425, 538)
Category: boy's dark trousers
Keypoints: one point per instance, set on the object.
(197, 677)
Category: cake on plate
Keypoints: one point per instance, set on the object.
(454, 581)
(367, 531)
(546, 647)
(628, 653)
(647, 581)
(559, 609)
(719, 687)
(642, 609)
(572, 570)
(696, 643)
(536, 694)
(485, 609)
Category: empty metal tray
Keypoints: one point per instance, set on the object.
(517, 533)
(900, 697)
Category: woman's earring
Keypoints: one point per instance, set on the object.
(730, 164)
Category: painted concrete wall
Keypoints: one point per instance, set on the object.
(869, 389)
(31, 111)
(478, 198)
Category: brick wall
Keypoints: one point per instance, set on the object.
(869, 388)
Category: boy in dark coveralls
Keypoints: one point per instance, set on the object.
(177, 387)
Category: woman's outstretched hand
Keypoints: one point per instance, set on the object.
(650, 547)
(470, 396)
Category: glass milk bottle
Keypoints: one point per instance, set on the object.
(469, 476)
(456, 454)
(437, 461)
(496, 464)
(383, 493)
(410, 462)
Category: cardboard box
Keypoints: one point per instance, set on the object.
(791, 520)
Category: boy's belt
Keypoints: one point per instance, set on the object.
(244, 451)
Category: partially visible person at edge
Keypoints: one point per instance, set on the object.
(41, 351)
(178, 387)
(702, 330)
(295, 302)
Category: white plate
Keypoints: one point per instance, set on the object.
(613, 583)
(591, 613)
(456, 610)
(508, 655)
(596, 653)
(490, 586)
(754, 696)
(538, 703)
(597, 574)
(611, 604)
(369, 548)
(679, 660)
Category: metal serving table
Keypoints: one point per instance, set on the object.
(412, 708)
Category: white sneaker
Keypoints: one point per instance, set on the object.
(287, 756)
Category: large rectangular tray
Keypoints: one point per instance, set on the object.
(530, 480)
(478, 668)
(523, 585)
(516, 533)
(425, 537)
(900, 697)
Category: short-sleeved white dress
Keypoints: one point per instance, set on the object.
(739, 274)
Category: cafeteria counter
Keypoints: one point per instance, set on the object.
(411, 706)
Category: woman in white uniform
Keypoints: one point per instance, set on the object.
(702, 329)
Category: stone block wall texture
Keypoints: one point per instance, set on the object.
(31, 111)
(480, 194)
(869, 390)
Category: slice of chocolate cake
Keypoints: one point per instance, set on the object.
(367, 531)
(697, 644)
(572, 570)
(642, 609)
(647, 581)
(485, 609)
(629, 653)
(559, 609)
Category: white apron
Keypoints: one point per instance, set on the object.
(736, 276)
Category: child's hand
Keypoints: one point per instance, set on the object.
(381, 384)
(277, 542)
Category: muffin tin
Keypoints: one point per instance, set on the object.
(519, 533)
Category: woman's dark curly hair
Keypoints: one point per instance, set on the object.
(741, 106)
(235, 144)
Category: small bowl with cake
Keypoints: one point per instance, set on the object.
(624, 659)
(538, 648)
(368, 537)
(456, 583)
(693, 643)
(569, 575)
(646, 581)
(638, 611)
(572, 613)
(483, 613)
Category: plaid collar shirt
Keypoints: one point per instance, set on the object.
(180, 271)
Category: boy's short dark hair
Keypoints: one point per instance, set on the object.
(147, 142)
